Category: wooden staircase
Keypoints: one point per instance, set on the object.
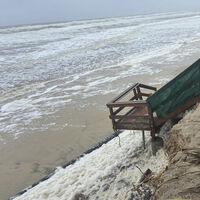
(142, 107)
(133, 113)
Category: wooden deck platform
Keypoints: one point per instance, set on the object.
(133, 113)
(130, 110)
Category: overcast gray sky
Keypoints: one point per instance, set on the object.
(15, 12)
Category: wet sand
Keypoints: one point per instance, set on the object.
(33, 156)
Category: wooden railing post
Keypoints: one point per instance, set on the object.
(139, 92)
(135, 94)
(112, 115)
(143, 138)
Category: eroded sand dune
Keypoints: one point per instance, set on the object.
(182, 179)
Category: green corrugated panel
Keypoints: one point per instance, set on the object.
(178, 91)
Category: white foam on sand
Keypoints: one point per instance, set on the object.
(101, 173)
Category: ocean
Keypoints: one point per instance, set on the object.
(45, 68)
(55, 80)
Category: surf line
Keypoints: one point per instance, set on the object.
(96, 146)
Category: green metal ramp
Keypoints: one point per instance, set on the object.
(178, 94)
(138, 112)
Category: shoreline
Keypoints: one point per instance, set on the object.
(98, 145)
(87, 171)
(159, 190)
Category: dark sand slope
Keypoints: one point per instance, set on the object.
(182, 178)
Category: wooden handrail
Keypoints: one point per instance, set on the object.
(121, 108)
(137, 87)
(129, 117)
(147, 87)
(137, 103)
(123, 93)
(145, 94)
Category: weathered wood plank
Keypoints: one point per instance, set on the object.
(131, 126)
(121, 108)
(129, 117)
(147, 87)
(145, 94)
(123, 93)
(128, 104)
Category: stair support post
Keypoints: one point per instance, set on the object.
(143, 138)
